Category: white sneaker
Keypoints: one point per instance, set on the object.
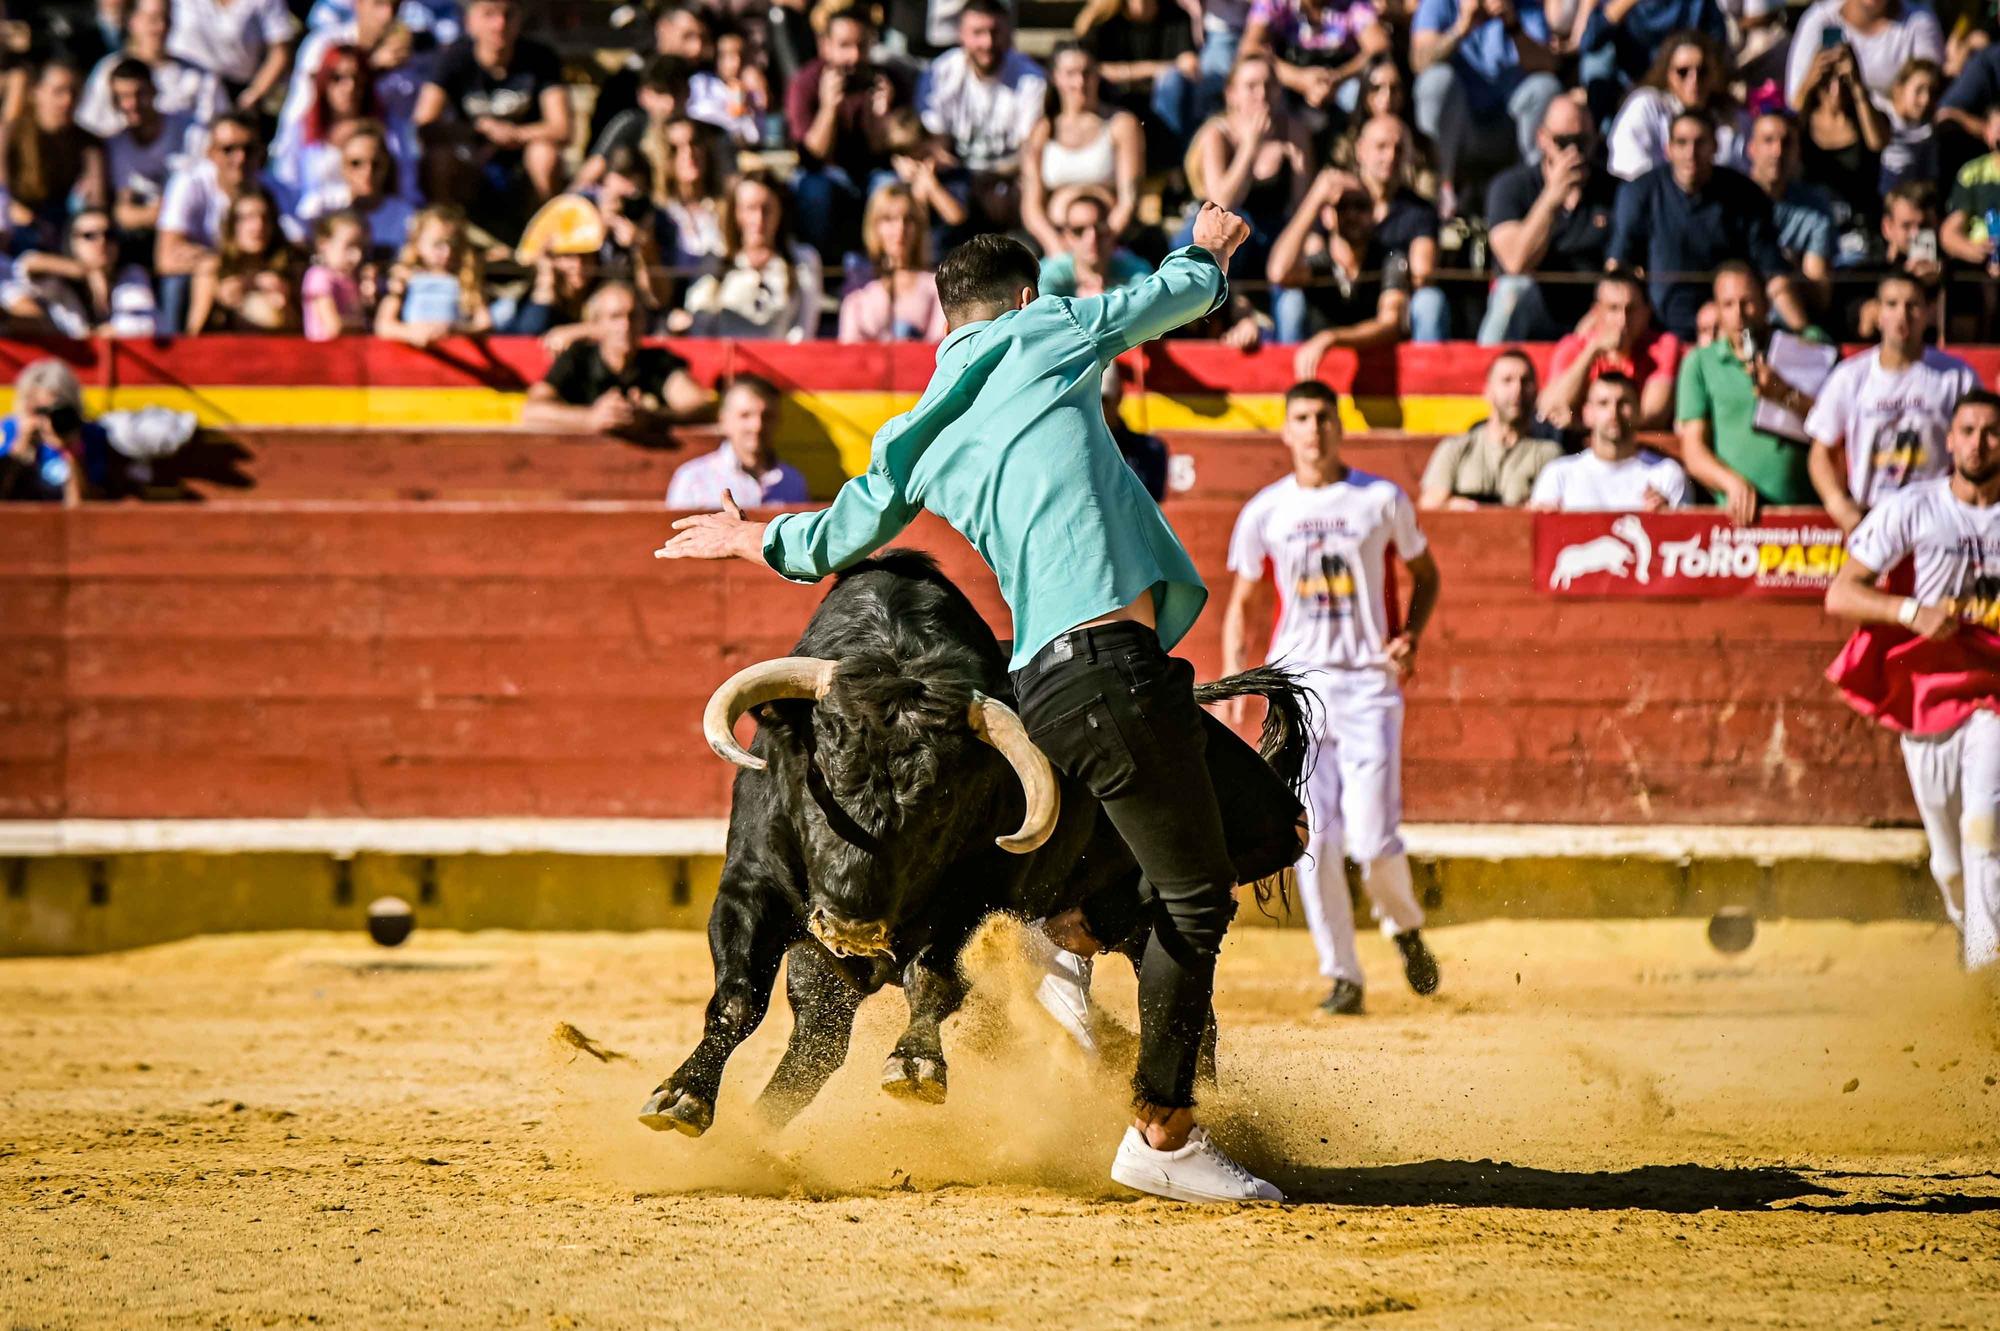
(1198, 1172)
(1065, 990)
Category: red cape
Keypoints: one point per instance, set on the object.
(1917, 687)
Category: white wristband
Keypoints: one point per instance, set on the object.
(1906, 613)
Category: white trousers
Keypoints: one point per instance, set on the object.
(1956, 779)
(1354, 809)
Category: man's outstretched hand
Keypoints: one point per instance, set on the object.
(1219, 231)
(716, 536)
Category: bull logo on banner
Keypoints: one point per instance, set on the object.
(1626, 552)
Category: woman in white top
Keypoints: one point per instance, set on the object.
(177, 86)
(1079, 141)
(245, 43)
(1687, 73)
(765, 285)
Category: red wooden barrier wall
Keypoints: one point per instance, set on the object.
(455, 660)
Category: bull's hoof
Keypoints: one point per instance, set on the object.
(668, 1110)
(913, 1077)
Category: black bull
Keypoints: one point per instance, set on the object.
(872, 844)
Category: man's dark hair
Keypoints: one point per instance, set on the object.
(1312, 390)
(242, 120)
(984, 274)
(1697, 115)
(1919, 194)
(1735, 268)
(667, 73)
(1976, 397)
(1618, 379)
(130, 70)
(755, 383)
(1623, 277)
(629, 162)
(990, 8)
(1899, 279)
(1513, 353)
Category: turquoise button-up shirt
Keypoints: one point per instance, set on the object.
(1008, 444)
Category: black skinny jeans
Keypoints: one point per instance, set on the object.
(1111, 709)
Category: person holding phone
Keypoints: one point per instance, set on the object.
(1870, 40)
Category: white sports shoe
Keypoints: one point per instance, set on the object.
(1198, 1172)
(1065, 990)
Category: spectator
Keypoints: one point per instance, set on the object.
(246, 44)
(632, 227)
(764, 285)
(251, 282)
(87, 291)
(1406, 225)
(1079, 143)
(1148, 52)
(1966, 98)
(1615, 336)
(495, 118)
(1622, 40)
(1382, 91)
(1485, 76)
(1254, 160)
(191, 211)
(744, 466)
(179, 88)
(692, 183)
(48, 452)
(1359, 293)
(680, 32)
(143, 154)
(734, 94)
(334, 297)
(1802, 213)
(1497, 460)
(435, 288)
(435, 21)
(308, 161)
(608, 382)
(1715, 408)
(900, 301)
(1887, 408)
(1550, 215)
(365, 187)
(1687, 76)
(1908, 212)
(1879, 37)
(984, 97)
(1319, 46)
(1090, 261)
(838, 108)
(1688, 217)
(1144, 454)
(553, 308)
(1845, 132)
(1911, 153)
(1613, 473)
(47, 159)
(1968, 234)
(663, 96)
(395, 75)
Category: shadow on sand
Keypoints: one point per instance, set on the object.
(1678, 1189)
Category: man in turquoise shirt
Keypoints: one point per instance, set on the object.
(1008, 444)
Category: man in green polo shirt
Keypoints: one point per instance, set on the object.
(1715, 408)
(1008, 444)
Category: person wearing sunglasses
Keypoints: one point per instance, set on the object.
(87, 291)
(1090, 261)
(365, 185)
(1551, 215)
(191, 213)
(1688, 76)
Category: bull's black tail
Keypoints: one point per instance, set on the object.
(1286, 743)
(1287, 739)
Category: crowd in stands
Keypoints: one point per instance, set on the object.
(1654, 185)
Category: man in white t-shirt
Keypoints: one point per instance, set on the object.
(1327, 533)
(985, 98)
(1887, 407)
(245, 43)
(1613, 473)
(744, 466)
(1949, 528)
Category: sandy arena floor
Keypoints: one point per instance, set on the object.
(1594, 1125)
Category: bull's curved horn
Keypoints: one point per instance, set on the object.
(995, 722)
(767, 681)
